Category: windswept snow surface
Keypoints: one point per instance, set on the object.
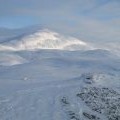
(47, 76)
(44, 39)
(8, 59)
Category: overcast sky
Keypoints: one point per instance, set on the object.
(87, 19)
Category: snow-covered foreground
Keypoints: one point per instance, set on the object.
(58, 84)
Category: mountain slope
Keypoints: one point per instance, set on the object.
(44, 39)
(47, 76)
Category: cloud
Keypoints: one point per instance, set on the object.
(90, 29)
(34, 6)
(86, 19)
(109, 10)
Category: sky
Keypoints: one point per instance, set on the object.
(86, 19)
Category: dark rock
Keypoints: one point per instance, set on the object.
(91, 117)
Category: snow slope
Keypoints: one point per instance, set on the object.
(7, 59)
(47, 76)
(44, 39)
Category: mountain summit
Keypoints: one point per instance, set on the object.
(44, 39)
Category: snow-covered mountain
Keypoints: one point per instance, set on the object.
(48, 76)
(44, 39)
